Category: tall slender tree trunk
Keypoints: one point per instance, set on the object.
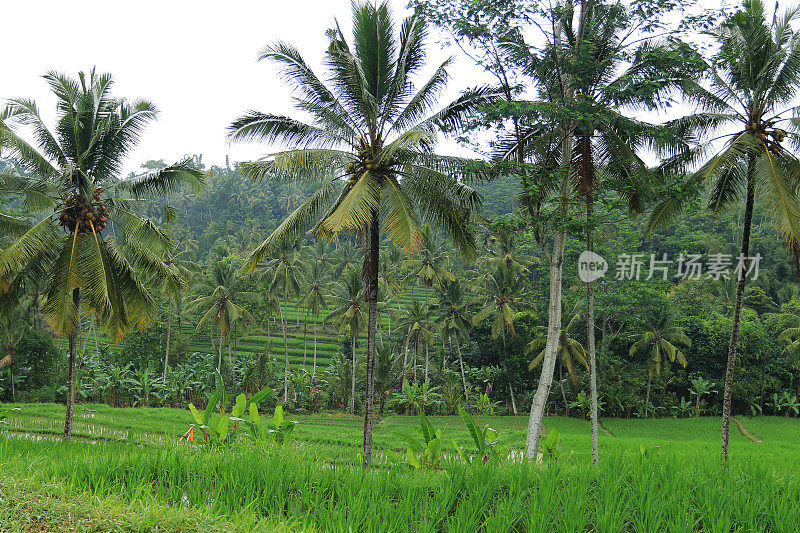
(563, 390)
(590, 332)
(556, 259)
(461, 364)
(73, 346)
(169, 331)
(737, 312)
(305, 339)
(513, 402)
(427, 362)
(219, 358)
(427, 326)
(647, 396)
(353, 373)
(314, 369)
(285, 353)
(551, 346)
(372, 288)
(11, 372)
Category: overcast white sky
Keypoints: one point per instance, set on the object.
(196, 60)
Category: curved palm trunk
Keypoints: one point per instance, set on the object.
(590, 339)
(737, 312)
(73, 346)
(372, 296)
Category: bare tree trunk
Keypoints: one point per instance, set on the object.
(314, 369)
(590, 337)
(305, 339)
(169, 331)
(285, 352)
(73, 346)
(461, 364)
(647, 396)
(737, 312)
(563, 390)
(513, 402)
(372, 288)
(556, 258)
(353, 373)
(219, 359)
(427, 362)
(11, 372)
(551, 346)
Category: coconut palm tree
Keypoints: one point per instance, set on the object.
(658, 342)
(570, 351)
(370, 145)
(73, 182)
(501, 294)
(316, 299)
(282, 276)
(428, 268)
(219, 296)
(180, 267)
(748, 99)
(788, 323)
(348, 311)
(414, 321)
(504, 249)
(454, 319)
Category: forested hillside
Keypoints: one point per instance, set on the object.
(221, 225)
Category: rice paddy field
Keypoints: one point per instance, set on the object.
(125, 471)
(300, 336)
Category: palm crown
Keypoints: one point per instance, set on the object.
(74, 183)
(371, 139)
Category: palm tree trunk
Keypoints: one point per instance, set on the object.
(305, 339)
(414, 362)
(314, 369)
(73, 346)
(461, 364)
(796, 254)
(353, 374)
(11, 372)
(169, 330)
(219, 359)
(556, 261)
(285, 352)
(647, 396)
(590, 331)
(513, 402)
(372, 296)
(549, 360)
(428, 328)
(563, 390)
(427, 362)
(737, 312)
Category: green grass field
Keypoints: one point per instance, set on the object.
(124, 470)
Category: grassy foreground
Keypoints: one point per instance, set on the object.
(657, 475)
